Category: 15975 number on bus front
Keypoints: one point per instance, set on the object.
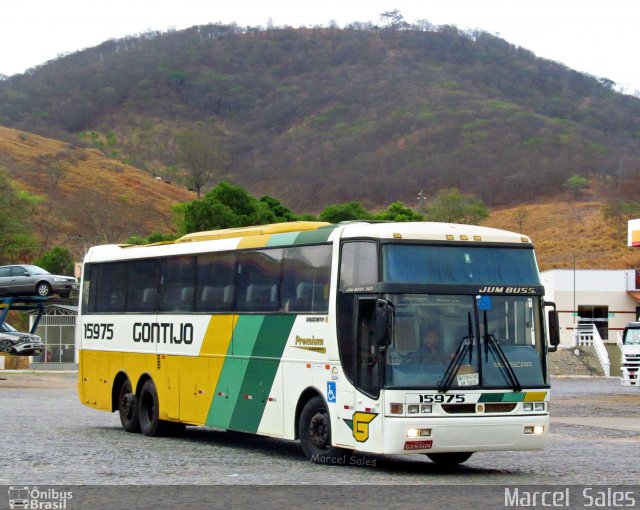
(98, 331)
(442, 399)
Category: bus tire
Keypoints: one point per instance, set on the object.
(128, 408)
(449, 459)
(314, 430)
(149, 411)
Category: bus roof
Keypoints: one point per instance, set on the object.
(273, 228)
(431, 231)
(307, 232)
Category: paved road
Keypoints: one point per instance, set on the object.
(50, 438)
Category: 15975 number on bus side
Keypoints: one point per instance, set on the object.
(98, 331)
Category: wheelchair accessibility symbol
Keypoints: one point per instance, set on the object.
(331, 391)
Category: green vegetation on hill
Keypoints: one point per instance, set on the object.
(323, 116)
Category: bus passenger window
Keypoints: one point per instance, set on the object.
(215, 282)
(306, 273)
(259, 280)
(359, 264)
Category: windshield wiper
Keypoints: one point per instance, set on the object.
(465, 347)
(491, 344)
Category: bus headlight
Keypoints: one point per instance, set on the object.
(538, 406)
(534, 429)
(527, 407)
(411, 433)
(413, 409)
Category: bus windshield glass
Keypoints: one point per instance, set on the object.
(419, 264)
(497, 330)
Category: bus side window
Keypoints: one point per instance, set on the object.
(177, 278)
(215, 282)
(142, 278)
(358, 264)
(259, 280)
(306, 273)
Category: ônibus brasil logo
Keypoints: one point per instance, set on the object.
(38, 499)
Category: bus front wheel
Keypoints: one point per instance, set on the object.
(449, 459)
(314, 430)
(128, 408)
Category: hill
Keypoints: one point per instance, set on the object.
(87, 198)
(319, 116)
(563, 229)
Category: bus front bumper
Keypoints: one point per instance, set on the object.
(465, 434)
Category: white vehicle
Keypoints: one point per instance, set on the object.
(14, 342)
(385, 338)
(630, 351)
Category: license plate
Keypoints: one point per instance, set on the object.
(418, 445)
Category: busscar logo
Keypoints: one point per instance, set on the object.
(38, 499)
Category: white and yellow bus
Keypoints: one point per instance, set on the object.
(385, 338)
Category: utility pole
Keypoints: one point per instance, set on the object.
(421, 197)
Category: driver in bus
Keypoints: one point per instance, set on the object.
(431, 349)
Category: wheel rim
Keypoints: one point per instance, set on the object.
(320, 430)
(5, 346)
(43, 290)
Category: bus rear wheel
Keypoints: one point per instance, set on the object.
(314, 430)
(449, 459)
(148, 411)
(128, 408)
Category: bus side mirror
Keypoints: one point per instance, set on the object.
(554, 328)
(384, 322)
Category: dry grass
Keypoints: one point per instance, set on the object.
(88, 199)
(561, 229)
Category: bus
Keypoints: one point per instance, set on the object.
(318, 332)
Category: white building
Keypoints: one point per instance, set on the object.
(607, 298)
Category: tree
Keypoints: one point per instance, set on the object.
(57, 261)
(451, 206)
(16, 239)
(520, 215)
(394, 19)
(397, 211)
(201, 155)
(280, 211)
(576, 184)
(347, 211)
(226, 206)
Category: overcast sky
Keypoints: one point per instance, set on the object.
(594, 36)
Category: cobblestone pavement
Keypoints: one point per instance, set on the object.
(50, 438)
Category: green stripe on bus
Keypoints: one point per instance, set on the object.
(502, 397)
(314, 236)
(491, 397)
(282, 239)
(261, 371)
(227, 392)
(244, 383)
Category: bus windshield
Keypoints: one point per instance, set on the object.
(413, 263)
(498, 331)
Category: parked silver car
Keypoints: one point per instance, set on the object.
(15, 342)
(27, 280)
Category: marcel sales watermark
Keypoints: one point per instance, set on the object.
(572, 497)
(39, 499)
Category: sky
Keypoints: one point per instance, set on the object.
(597, 37)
